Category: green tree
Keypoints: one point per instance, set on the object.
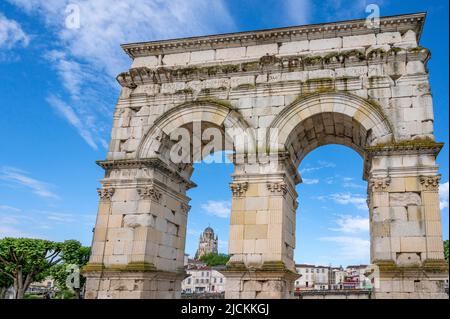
(446, 250)
(215, 259)
(5, 282)
(72, 255)
(26, 260)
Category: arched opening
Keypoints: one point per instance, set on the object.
(332, 227)
(332, 222)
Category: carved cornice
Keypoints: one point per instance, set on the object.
(277, 187)
(155, 163)
(105, 193)
(379, 184)
(269, 63)
(149, 192)
(403, 148)
(185, 208)
(400, 23)
(430, 183)
(238, 188)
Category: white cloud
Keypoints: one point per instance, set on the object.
(8, 220)
(352, 185)
(220, 209)
(193, 232)
(87, 59)
(19, 177)
(8, 231)
(359, 201)
(320, 165)
(69, 114)
(9, 208)
(443, 195)
(11, 34)
(60, 217)
(352, 249)
(351, 224)
(298, 11)
(312, 181)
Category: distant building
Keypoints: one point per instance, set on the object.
(356, 279)
(46, 285)
(202, 279)
(314, 277)
(207, 244)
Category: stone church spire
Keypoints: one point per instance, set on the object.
(207, 244)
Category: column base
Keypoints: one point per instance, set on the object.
(125, 283)
(267, 282)
(412, 282)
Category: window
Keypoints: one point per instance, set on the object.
(189, 281)
(221, 280)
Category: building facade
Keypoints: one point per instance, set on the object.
(202, 279)
(313, 277)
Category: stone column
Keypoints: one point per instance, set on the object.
(406, 230)
(262, 231)
(139, 237)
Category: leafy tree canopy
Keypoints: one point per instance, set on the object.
(215, 259)
(446, 250)
(26, 260)
(72, 254)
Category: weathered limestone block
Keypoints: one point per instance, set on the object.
(389, 38)
(404, 199)
(359, 41)
(294, 47)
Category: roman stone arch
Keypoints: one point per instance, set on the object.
(273, 96)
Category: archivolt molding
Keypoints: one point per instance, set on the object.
(367, 114)
(218, 113)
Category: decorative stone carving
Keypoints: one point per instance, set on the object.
(277, 187)
(149, 192)
(184, 208)
(430, 183)
(239, 188)
(379, 184)
(105, 193)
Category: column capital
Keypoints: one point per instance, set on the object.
(430, 183)
(379, 184)
(238, 188)
(149, 192)
(277, 187)
(105, 193)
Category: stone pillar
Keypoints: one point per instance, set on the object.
(405, 220)
(139, 237)
(262, 231)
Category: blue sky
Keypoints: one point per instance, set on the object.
(58, 93)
